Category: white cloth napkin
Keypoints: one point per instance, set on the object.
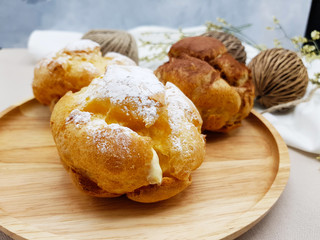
(300, 128)
(42, 42)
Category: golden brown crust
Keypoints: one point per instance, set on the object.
(89, 187)
(168, 188)
(235, 73)
(204, 48)
(111, 134)
(204, 86)
(219, 86)
(71, 69)
(177, 70)
(99, 142)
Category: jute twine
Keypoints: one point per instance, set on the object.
(115, 41)
(279, 77)
(233, 44)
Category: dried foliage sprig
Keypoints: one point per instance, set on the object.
(160, 49)
(305, 47)
(237, 31)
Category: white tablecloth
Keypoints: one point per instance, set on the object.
(296, 215)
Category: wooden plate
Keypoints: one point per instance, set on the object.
(243, 175)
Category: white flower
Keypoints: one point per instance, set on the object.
(315, 35)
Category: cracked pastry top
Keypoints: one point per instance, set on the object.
(71, 69)
(220, 87)
(127, 133)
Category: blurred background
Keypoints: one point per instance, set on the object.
(18, 18)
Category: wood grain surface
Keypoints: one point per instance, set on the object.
(243, 175)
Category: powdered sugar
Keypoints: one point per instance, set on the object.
(181, 112)
(89, 67)
(81, 45)
(51, 58)
(130, 85)
(78, 117)
(119, 59)
(102, 135)
(180, 108)
(62, 59)
(62, 56)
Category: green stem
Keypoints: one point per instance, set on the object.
(283, 31)
(316, 46)
(242, 36)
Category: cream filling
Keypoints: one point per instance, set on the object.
(155, 172)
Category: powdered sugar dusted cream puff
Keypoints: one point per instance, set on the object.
(71, 69)
(127, 133)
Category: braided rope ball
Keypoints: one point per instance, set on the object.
(279, 77)
(114, 41)
(233, 44)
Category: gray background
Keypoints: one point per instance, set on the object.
(18, 18)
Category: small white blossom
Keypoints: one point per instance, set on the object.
(315, 35)
(275, 20)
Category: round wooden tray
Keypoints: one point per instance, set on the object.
(243, 175)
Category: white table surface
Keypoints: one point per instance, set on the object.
(296, 215)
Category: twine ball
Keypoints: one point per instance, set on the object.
(233, 44)
(115, 41)
(279, 77)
